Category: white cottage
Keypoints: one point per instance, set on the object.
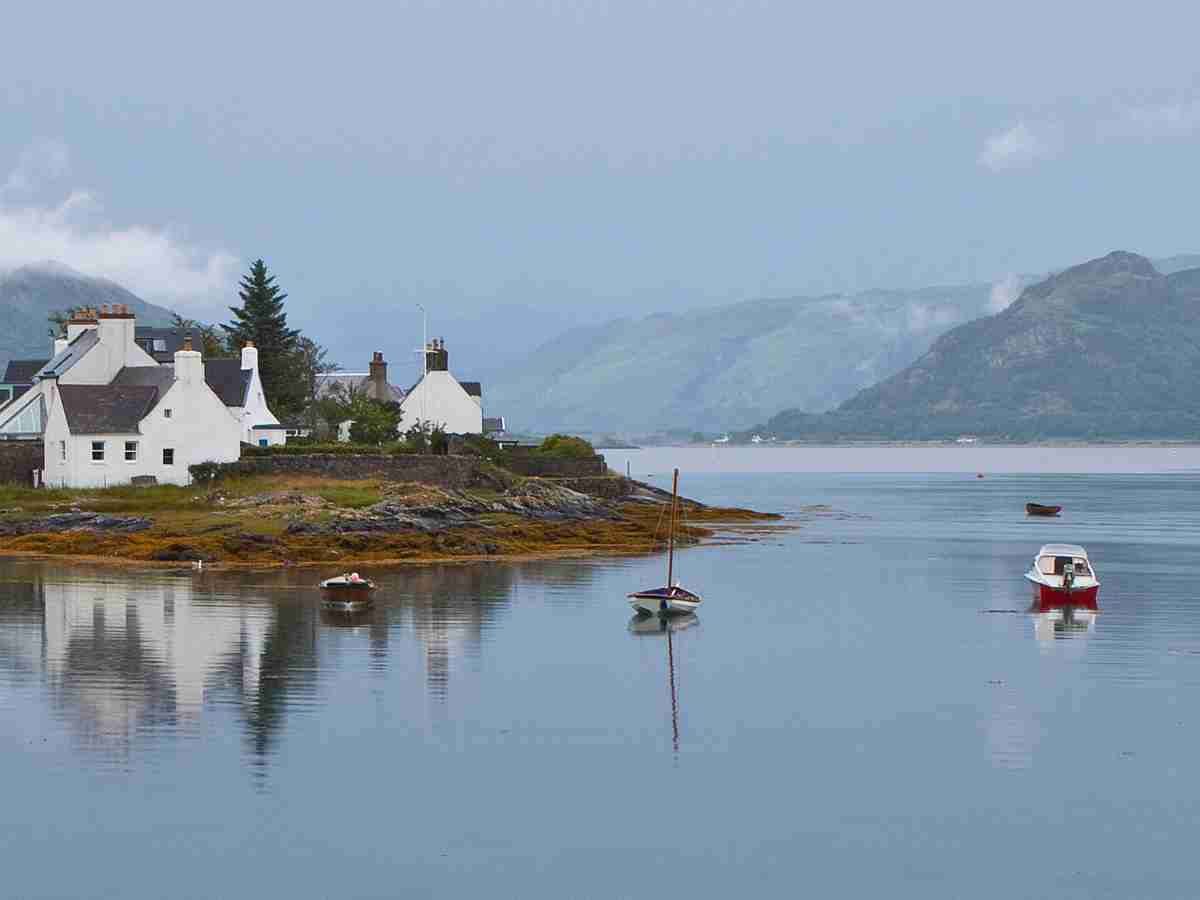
(239, 385)
(441, 400)
(149, 421)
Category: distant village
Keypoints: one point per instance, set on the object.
(114, 402)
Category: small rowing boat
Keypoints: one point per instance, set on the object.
(1041, 509)
(347, 592)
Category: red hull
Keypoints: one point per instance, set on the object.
(1045, 598)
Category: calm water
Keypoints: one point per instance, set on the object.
(862, 708)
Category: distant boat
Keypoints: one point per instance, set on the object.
(1040, 509)
(1062, 576)
(347, 592)
(966, 439)
(757, 439)
(671, 598)
(723, 439)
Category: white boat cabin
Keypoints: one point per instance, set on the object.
(1055, 559)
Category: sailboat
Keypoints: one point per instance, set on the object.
(672, 598)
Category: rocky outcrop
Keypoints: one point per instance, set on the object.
(75, 521)
(429, 509)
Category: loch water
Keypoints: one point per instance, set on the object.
(864, 705)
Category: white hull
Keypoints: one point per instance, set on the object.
(653, 606)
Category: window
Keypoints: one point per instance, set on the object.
(97, 451)
(160, 345)
(166, 414)
(263, 442)
(131, 451)
(168, 456)
(62, 450)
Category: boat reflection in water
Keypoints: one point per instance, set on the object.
(1063, 622)
(649, 626)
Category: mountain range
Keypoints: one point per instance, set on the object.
(1106, 349)
(29, 295)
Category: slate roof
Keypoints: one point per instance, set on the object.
(474, 388)
(227, 380)
(161, 377)
(21, 371)
(172, 338)
(71, 355)
(106, 409)
(355, 381)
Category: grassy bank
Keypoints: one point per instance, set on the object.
(252, 521)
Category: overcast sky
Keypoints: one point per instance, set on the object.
(587, 156)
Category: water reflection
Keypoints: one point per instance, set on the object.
(1063, 624)
(643, 625)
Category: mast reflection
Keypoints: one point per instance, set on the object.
(648, 626)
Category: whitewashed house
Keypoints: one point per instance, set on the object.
(149, 421)
(239, 385)
(441, 400)
(107, 411)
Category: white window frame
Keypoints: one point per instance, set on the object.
(167, 450)
(100, 447)
(131, 446)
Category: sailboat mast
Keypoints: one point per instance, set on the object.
(671, 537)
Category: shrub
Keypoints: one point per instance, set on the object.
(567, 445)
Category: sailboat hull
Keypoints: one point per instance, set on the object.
(660, 601)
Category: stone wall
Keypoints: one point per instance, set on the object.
(527, 462)
(18, 459)
(457, 472)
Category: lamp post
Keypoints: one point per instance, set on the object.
(422, 387)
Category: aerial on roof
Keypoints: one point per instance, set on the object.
(228, 380)
(106, 409)
(21, 371)
(72, 354)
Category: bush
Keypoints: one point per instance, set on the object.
(293, 449)
(204, 472)
(567, 445)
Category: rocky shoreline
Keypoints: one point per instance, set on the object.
(324, 522)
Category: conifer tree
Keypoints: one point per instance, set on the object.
(261, 319)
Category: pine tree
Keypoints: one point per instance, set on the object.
(261, 319)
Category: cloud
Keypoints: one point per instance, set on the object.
(1169, 120)
(1018, 147)
(1004, 293)
(158, 264)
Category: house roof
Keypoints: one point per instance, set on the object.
(172, 338)
(474, 388)
(228, 380)
(106, 408)
(74, 352)
(161, 377)
(353, 381)
(21, 371)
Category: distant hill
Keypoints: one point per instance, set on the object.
(728, 366)
(28, 296)
(1109, 348)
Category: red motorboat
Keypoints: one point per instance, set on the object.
(1062, 576)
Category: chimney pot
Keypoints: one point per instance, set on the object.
(187, 343)
(249, 343)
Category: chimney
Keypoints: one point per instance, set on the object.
(81, 320)
(249, 357)
(436, 357)
(378, 389)
(117, 328)
(189, 365)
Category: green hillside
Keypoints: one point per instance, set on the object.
(28, 296)
(726, 367)
(1110, 348)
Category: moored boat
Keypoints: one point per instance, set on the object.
(671, 599)
(1062, 576)
(347, 592)
(1041, 509)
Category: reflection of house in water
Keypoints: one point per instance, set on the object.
(126, 658)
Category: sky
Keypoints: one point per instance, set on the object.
(518, 167)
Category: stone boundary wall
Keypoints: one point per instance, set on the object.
(604, 487)
(18, 459)
(539, 466)
(458, 472)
